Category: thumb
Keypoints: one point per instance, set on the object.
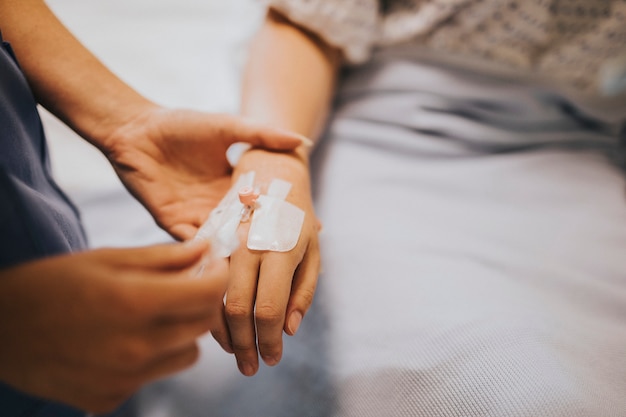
(169, 256)
(262, 135)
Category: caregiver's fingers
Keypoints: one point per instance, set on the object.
(258, 134)
(183, 231)
(171, 362)
(171, 337)
(167, 256)
(191, 296)
(239, 309)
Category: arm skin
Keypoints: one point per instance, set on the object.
(66, 78)
(173, 161)
(289, 82)
(290, 78)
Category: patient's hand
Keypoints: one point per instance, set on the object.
(174, 163)
(88, 329)
(269, 292)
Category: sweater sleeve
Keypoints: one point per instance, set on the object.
(350, 25)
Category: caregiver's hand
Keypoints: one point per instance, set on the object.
(89, 329)
(174, 161)
(269, 292)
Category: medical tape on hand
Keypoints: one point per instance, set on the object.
(221, 227)
(276, 224)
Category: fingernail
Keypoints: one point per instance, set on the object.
(294, 322)
(246, 368)
(306, 141)
(271, 360)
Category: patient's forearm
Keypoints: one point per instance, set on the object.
(290, 77)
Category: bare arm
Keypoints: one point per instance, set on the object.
(289, 80)
(66, 78)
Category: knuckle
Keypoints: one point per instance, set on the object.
(236, 311)
(268, 314)
(305, 297)
(244, 350)
(270, 349)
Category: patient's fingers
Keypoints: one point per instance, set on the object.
(275, 278)
(239, 308)
(171, 337)
(221, 333)
(302, 290)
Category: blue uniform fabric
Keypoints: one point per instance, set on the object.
(36, 219)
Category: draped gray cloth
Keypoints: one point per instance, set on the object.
(474, 248)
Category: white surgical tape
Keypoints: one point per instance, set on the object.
(276, 224)
(221, 227)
